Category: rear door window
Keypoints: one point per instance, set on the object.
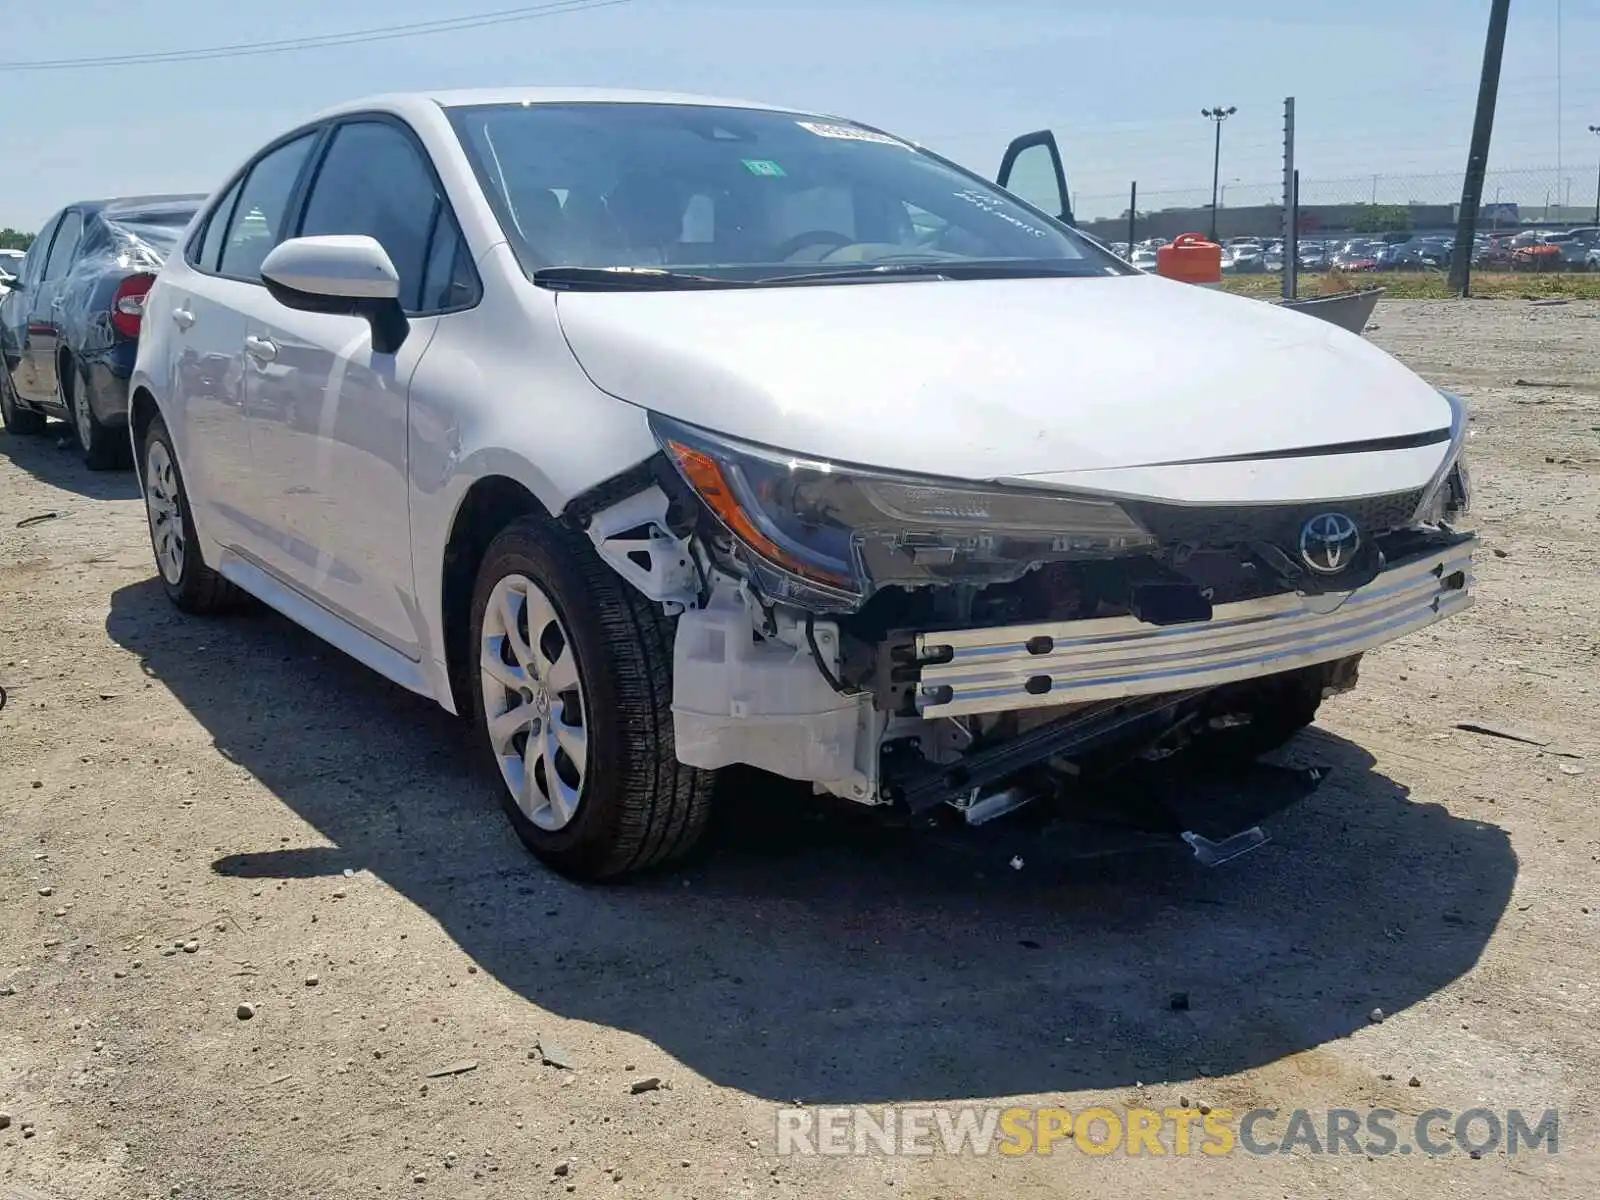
(216, 230)
(33, 265)
(66, 242)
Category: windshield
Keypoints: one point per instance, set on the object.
(745, 195)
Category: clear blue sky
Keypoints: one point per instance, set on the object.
(1383, 86)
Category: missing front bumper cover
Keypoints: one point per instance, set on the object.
(969, 671)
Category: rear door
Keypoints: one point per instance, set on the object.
(46, 310)
(1031, 170)
(203, 308)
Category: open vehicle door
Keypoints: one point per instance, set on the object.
(1031, 170)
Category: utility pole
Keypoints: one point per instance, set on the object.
(1595, 129)
(1478, 155)
(1291, 203)
(1216, 116)
(1133, 213)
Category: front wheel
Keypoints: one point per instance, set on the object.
(574, 708)
(1274, 708)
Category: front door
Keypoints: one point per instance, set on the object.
(328, 413)
(1031, 170)
(16, 312)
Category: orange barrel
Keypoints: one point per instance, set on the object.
(1190, 258)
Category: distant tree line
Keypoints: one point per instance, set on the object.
(1381, 218)
(14, 239)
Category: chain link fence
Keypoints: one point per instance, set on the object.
(1516, 198)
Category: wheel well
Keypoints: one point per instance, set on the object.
(65, 373)
(490, 505)
(141, 411)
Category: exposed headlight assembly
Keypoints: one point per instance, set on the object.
(1449, 493)
(825, 536)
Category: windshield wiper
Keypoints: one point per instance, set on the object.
(660, 279)
(631, 279)
(954, 269)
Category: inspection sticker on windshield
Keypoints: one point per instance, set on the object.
(847, 133)
(762, 166)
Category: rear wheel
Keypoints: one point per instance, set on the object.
(574, 708)
(104, 447)
(189, 583)
(23, 422)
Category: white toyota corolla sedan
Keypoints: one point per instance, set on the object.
(661, 434)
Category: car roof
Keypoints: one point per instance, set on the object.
(409, 102)
(117, 203)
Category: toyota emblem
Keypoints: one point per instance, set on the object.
(1329, 542)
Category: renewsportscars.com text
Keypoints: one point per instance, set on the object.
(1179, 1132)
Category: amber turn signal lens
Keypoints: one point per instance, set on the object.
(704, 474)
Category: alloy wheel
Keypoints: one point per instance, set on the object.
(533, 702)
(163, 502)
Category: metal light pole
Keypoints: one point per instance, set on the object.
(1216, 116)
(1494, 46)
(1595, 129)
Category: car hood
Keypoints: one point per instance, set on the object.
(989, 379)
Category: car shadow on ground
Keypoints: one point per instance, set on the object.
(53, 457)
(824, 958)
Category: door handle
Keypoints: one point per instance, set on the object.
(261, 349)
(182, 318)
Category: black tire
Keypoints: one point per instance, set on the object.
(197, 588)
(104, 447)
(1279, 706)
(23, 422)
(639, 806)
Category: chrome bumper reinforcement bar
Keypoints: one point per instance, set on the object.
(1064, 662)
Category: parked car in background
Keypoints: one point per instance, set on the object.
(1535, 252)
(1244, 258)
(1312, 256)
(1393, 256)
(1574, 246)
(1145, 259)
(69, 324)
(1358, 256)
(1492, 252)
(10, 265)
(568, 459)
(1435, 253)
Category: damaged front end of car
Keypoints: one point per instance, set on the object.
(949, 646)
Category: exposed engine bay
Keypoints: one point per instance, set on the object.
(950, 667)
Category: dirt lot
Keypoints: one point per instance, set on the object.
(316, 843)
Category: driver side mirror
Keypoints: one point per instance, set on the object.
(341, 275)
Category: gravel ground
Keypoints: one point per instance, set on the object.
(201, 815)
